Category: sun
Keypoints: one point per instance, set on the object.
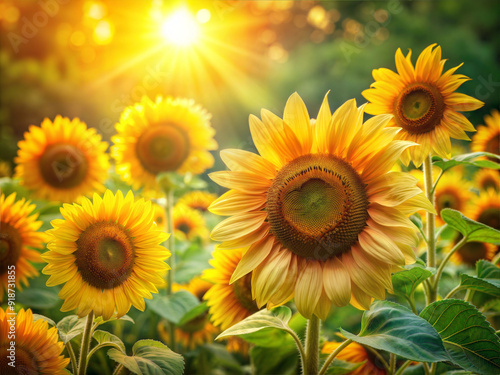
(181, 28)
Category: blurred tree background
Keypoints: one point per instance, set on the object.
(90, 59)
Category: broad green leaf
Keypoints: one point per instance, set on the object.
(69, 327)
(472, 229)
(275, 318)
(394, 328)
(104, 338)
(173, 307)
(279, 360)
(488, 286)
(339, 367)
(48, 320)
(193, 313)
(220, 356)
(405, 282)
(38, 298)
(99, 320)
(269, 338)
(150, 357)
(487, 270)
(468, 338)
(467, 159)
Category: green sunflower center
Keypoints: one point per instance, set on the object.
(105, 255)
(25, 362)
(317, 206)
(490, 217)
(162, 148)
(243, 291)
(419, 108)
(10, 246)
(63, 166)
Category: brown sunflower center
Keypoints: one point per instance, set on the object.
(10, 246)
(317, 206)
(489, 183)
(25, 363)
(162, 148)
(490, 217)
(493, 146)
(471, 252)
(419, 108)
(447, 200)
(105, 255)
(243, 291)
(184, 228)
(63, 166)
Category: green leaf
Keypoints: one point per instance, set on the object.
(150, 357)
(193, 313)
(393, 328)
(174, 307)
(339, 367)
(487, 270)
(99, 320)
(469, 339)
(488, 286)
(220, 356)
(104, 338)
(417, 220)
(275, 318)
(44, 318)
(38, 298)
(405, 282)
(279, 360)
(472, 229)
(69, 327)
(467, 159)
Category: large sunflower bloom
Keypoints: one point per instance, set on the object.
(18, 239)
(323, 218)
(37, 349)
(487, 138)
(169, 135)
(107, 254)
(356, 353)
(424, 103)
(62, 160)
(228, 303)
(197, 331)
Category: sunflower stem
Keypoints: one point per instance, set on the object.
(87, 334)
(71, 353)
(392, 368)
(171, 247)
(403, 367)
(332, 356)
(312, 346)
(431, 239)
(118, 369)
(446, 259)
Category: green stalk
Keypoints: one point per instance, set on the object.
(169, 208)
(431, 240)
(312, 346)
(71, 353)
(332, 356)
(445, 260)
(87, 333)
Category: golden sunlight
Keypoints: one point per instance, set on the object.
(181, 28)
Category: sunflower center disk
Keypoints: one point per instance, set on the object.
(447, 200)
(104, 255)
(471, 252)
(243, 291)
(10, 246)
(490, 217)
(317, 206)
(25, 362)
(63, 166)
(419, 108)
(162, 148)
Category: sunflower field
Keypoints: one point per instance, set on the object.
(235, 187)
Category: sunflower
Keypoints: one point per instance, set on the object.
(37, 348)
(189, 223)
(471, 252)
(169, 135)
(197, 331)
(485, 208)
(424, 103)
(198, 200)
(160, 216)
(229, 303)
(107, 254)
(487, 138)
(487, 179)
(452, 191)
(62, 160)
(18, 239)
(356, 353)
(323, 218)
